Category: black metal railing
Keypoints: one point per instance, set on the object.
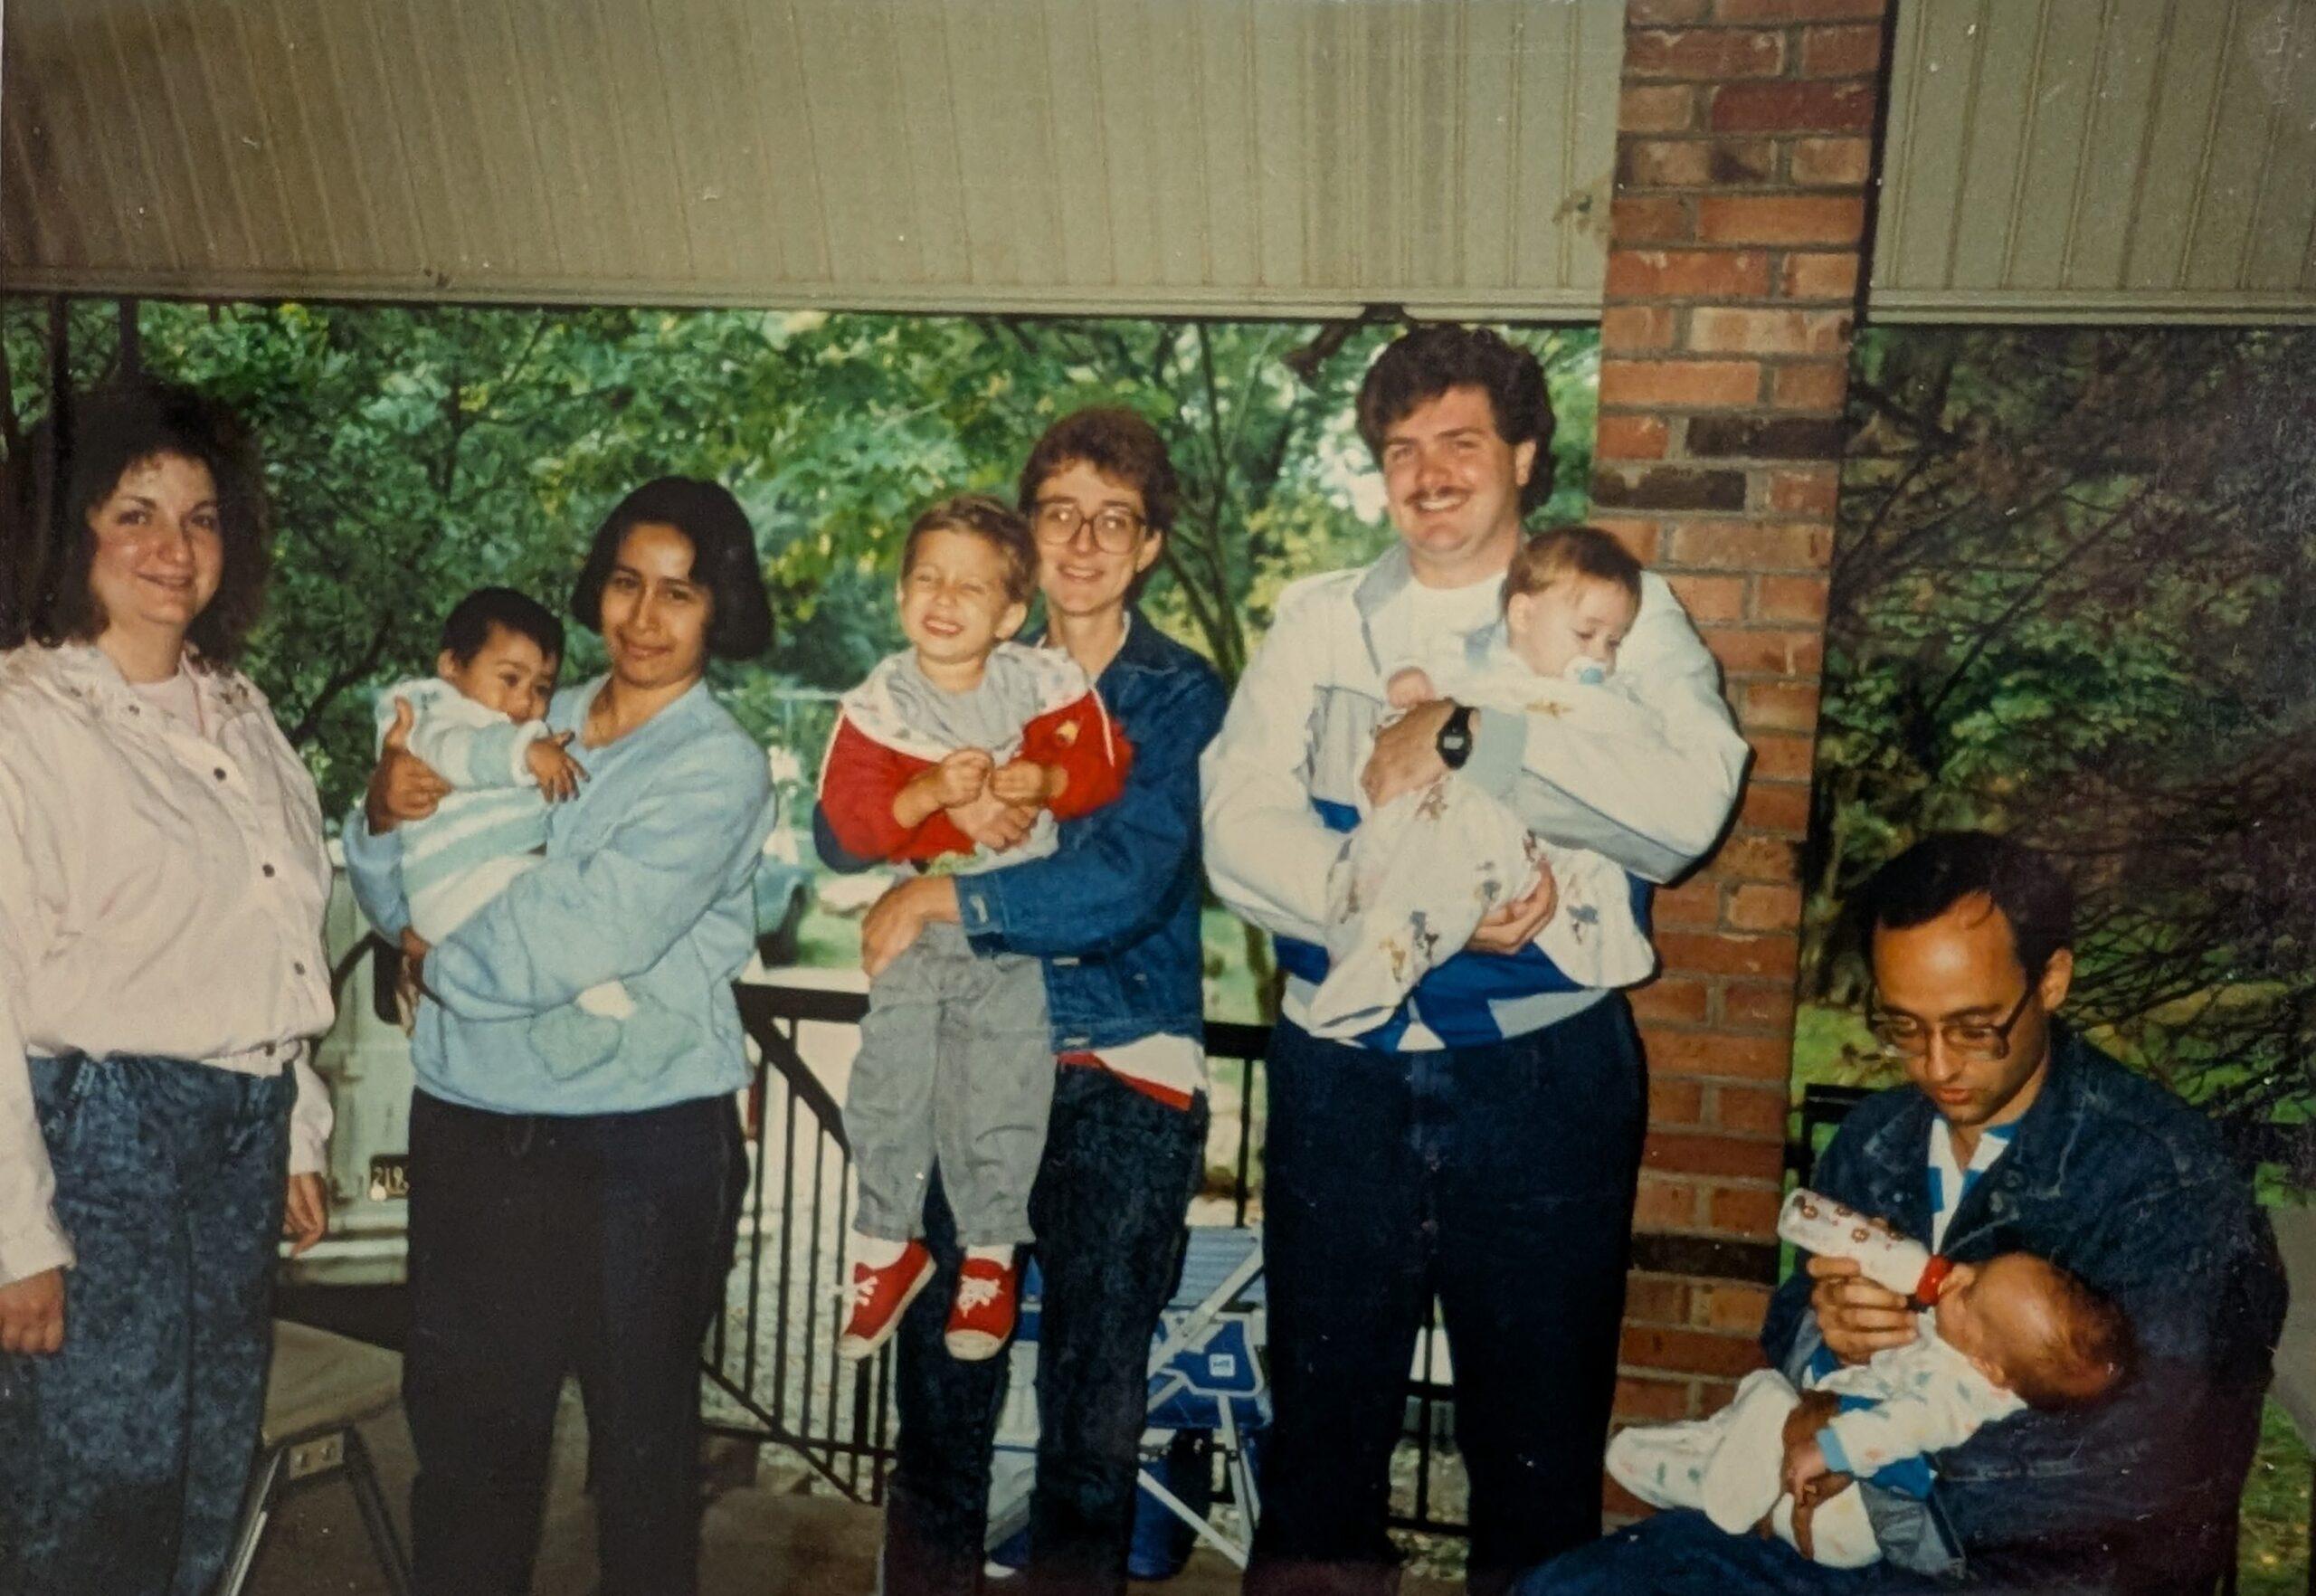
(771, 1359)
(772, 1367)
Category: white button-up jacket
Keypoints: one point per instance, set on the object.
(161, 895)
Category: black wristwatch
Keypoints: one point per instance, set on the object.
(1455, 737)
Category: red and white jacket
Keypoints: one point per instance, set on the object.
(875, 750)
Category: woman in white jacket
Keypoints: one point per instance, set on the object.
(162, 878)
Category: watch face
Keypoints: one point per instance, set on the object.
(1456, 738)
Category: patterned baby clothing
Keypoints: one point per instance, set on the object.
(1416, 876)
(1906, 1401)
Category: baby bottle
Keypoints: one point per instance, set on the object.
(1819, 1224)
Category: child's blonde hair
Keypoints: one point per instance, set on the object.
(995, 523)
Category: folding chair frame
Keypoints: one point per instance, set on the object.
(1193, 1325)
(311, 1458)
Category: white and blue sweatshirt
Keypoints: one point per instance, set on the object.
(1282, 781)
(491, 826)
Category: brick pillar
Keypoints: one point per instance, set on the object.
(1744, 142)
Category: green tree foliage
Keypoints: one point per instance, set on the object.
(2074, 598)
(414, 454)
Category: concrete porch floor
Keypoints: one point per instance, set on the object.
(762, 1539)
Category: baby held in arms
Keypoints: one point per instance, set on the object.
(1418, 875)
(1992, 1339)
(480, 722)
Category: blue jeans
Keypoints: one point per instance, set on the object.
(1498, 1179)
(123, 1456)
(1108, 1208)
(1682, 1554)
(540, 1245)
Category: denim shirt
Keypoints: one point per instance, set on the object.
(2114, 1178)
(1114, 910)
(646, 881)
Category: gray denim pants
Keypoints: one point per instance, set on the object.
(955, 1066)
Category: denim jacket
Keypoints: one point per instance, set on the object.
(1114, 910)
(2111, 1177)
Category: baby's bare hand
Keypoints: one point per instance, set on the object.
(959, 777)
(1022, 781)
(557, 774)
(1409, 688)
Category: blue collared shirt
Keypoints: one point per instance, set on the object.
(646, 883)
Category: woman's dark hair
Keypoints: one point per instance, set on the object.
(995, 523)
(467, 628)
(61, 473)
(1116, 442)
(1946, 867)
(1424, 364)
(723, 560)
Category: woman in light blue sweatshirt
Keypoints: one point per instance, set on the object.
(575, 1212)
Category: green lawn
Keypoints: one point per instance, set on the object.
(2273, 1547)
(827, 941)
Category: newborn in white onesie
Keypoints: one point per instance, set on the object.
(2013, 1331)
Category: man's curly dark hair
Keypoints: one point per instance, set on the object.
(1426, 363)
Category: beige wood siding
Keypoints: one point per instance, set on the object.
(2099, 159)
(2047, 159)
(1123, 156)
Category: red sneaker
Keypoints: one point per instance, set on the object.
(879, 1298)
(981, 1319)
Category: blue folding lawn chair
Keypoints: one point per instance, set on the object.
(1207, 1379)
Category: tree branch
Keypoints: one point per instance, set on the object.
(338, 680)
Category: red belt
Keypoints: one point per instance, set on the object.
(1148, 1088)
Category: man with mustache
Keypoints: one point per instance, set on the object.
(1481, 1145)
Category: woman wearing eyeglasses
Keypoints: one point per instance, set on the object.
(1113, 915)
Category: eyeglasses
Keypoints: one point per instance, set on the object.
(1116, 528)
(1904, 1037)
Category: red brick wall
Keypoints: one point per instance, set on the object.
(1744, 143)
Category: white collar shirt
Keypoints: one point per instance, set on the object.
(161, 895)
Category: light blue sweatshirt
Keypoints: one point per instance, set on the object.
(646, 881)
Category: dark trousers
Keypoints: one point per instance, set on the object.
(541, 1245)
(1683, 1554)
(1108, 1205)
(123, 1456)
(1498, 1179)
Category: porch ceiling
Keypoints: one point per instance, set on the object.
(2046, 159)
(1121, 156)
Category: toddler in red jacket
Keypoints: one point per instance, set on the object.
(956, 1064)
